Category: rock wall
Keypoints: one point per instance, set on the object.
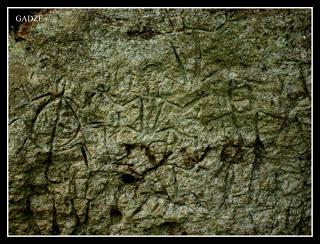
(161, 121)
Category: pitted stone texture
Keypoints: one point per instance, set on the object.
(161, 121)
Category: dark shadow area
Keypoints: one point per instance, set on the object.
(115, 215)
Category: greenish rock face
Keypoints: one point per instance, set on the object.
(161, 122)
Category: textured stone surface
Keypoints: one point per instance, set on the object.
(161, 122)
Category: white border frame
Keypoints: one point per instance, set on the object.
(312, 227)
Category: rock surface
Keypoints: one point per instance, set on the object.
(156, 121)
